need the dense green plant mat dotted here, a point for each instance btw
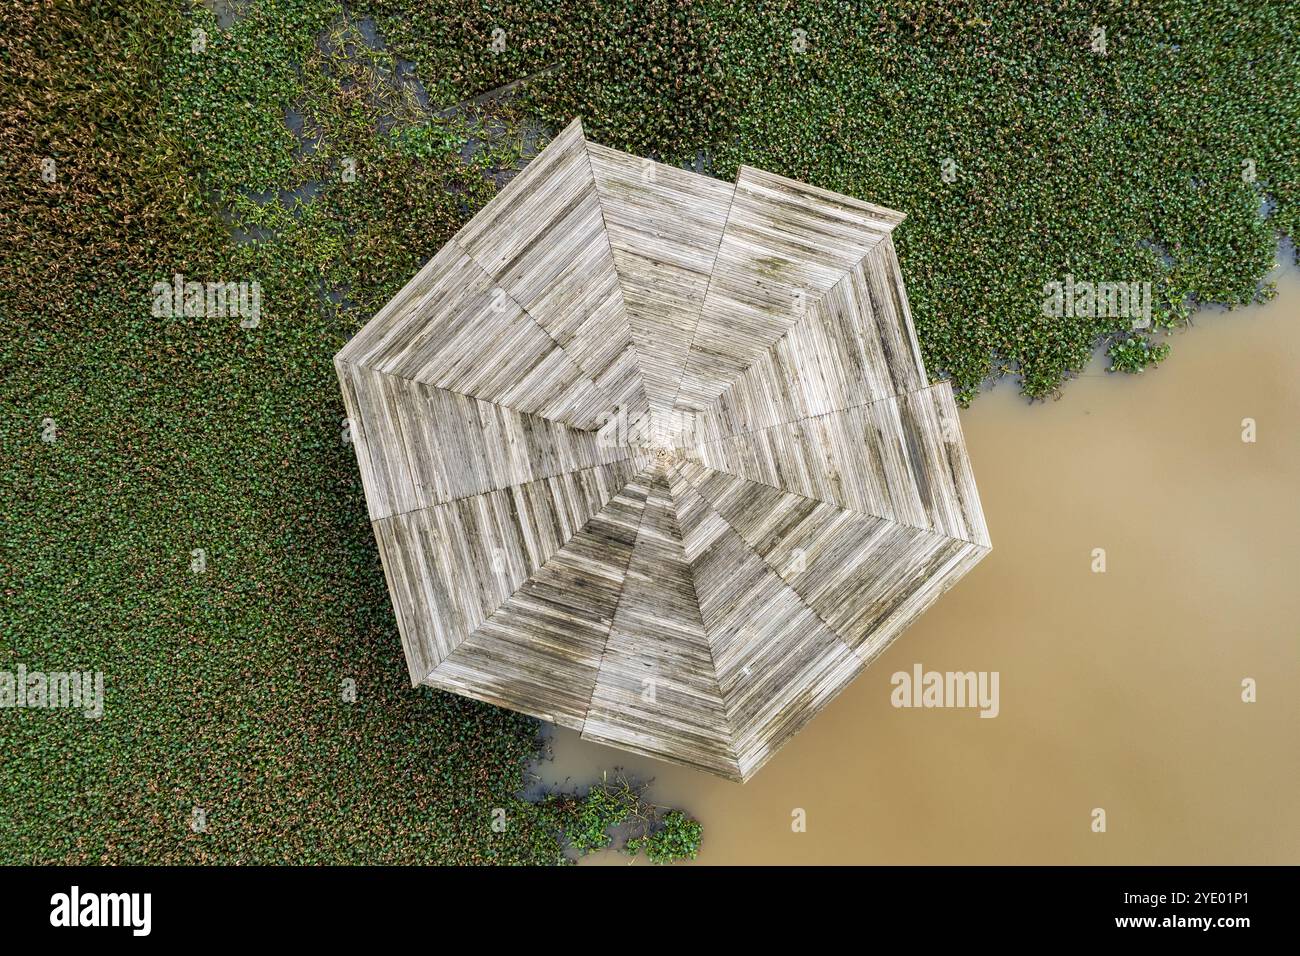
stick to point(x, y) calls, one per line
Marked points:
point(676, 838)
point(226, 687)
point(615, 814)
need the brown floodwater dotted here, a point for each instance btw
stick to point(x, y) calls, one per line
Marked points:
point(1119, 690)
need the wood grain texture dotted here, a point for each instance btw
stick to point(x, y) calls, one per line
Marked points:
point(696, 591)
point(777, 663)
point(853, 346)
point(453, 327)
point(657, 690)
point(539, 651)
point(902, 458)
point(543, 239)
point(785, 245)
point(664, 227)
point(865, 577)
point(449, 567)
point(423, 445)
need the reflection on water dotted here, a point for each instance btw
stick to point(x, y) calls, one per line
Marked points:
point(1119, 690)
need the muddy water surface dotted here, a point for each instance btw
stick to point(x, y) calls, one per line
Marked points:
point(1118, 690)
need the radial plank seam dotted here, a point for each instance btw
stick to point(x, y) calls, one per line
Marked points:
point(518, 484)
point(600, 207)
point(713, 663)
point(714, 508)
point(768, 484)
point(971, 552)
point(350, 363)
point(388, 525)
point(811, 418)
point(821, 296)
point(631, 454)
point(728, 755)
point(844, 652)
point(699, 313)
point(342, 358)
point(544, 329)
point(771, 350)
point(586, 524)
point(930, 532)
point(613, 618)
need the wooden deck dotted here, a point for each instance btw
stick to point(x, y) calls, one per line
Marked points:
point(698, 587)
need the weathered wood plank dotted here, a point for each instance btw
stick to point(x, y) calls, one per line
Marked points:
point(436, 445)
point(865, 577)
point(656, 691)
point(955, 473)
point(450, 566)
point(664, 226)
point(901, 458)
point(453, 327)
point(543, 239)
point(784, 246)
point(777, 663)
point(539, 652)
point(853, 346)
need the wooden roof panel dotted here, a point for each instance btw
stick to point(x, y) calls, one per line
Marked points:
point(902, 458)
point(541, 649)
point(450, 566)
point(656, 690)
point(785, 245)
point(438, 445)
point(777, 662)
point(853, 346)
point(664, 227)
point(864, 576)
point(543, 239)
point(453, 327)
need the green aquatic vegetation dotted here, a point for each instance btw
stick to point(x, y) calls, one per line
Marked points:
point(589, 819)
point(615, 814)
point(1025, 141)
point(676, 837)
point(194, 527)
point(228, 91)
point(1136, 353)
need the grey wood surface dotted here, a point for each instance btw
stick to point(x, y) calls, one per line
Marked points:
point(453, 327)
point(543, 239)
point(699, 589)
point(853, 346)
point(657, 688)
point(451, 566)
point(866, 577)
point(901, 458)
point(784, 246)
point(425, 445)
point(777, 663)
point(541, 649)
point(664, 227)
